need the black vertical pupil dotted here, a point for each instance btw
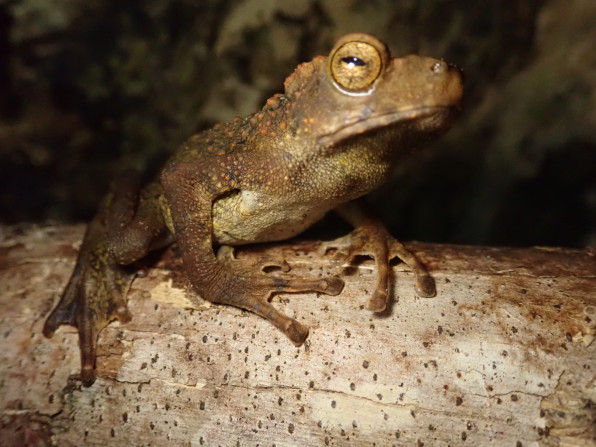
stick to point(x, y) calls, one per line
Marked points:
point(354, 60)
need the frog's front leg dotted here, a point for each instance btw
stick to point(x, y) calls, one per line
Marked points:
point(190, 201)
point(371, 238)
point(96, 292)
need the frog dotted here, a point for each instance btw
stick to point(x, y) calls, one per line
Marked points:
point(342, 124)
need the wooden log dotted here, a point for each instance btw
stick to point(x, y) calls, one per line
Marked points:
point(504, 355)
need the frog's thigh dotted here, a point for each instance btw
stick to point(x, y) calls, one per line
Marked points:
point(131, 239)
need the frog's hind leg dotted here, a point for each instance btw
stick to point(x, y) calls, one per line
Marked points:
point(94, 296)
point(119, 234)
point(134, 230)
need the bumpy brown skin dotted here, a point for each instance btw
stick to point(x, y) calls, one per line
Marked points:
point(342, 124)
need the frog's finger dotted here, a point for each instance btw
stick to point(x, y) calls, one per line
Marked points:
point(425, 284)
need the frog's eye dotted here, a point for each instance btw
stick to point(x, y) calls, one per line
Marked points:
point(355, 66)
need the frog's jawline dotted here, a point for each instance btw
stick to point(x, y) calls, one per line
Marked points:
point(440, 113)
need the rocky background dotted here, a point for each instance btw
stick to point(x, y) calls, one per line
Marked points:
point(90, 88)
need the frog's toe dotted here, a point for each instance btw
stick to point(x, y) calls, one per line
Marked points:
point(333, 286)
point(296, 332)
point(425, 286)
point(88, 346)
point(377, 302)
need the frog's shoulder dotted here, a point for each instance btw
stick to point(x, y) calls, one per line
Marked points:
point(242, 133)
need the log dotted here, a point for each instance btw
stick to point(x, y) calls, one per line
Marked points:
point(504, 355)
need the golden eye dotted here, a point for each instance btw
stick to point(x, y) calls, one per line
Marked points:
point(356, 65)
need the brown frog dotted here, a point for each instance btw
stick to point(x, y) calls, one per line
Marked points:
point(343, 122)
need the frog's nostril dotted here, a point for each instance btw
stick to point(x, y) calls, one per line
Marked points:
point(438, 67)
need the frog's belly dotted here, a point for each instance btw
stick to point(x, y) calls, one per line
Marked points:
point(246, 216)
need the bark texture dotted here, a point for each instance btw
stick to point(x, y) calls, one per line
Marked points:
point(503, 355)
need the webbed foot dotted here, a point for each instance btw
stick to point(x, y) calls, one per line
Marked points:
point(94, 296)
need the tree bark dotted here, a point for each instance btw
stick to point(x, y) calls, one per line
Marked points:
point(504, 354)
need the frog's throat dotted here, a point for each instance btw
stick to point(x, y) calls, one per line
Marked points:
point(434, 117)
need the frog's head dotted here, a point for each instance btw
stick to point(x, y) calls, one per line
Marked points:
point(359, 88)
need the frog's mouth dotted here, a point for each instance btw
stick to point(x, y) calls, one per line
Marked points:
point(427, 119)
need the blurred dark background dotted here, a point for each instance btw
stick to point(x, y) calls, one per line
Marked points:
point(90, 88)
